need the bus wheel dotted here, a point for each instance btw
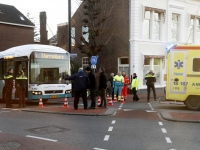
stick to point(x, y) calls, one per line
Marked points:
point(193, 102)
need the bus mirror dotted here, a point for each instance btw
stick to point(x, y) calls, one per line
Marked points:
point(23, 64)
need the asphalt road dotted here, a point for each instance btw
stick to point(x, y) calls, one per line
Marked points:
point(135, 126)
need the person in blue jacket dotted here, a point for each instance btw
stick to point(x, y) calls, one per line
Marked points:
point(81, 82)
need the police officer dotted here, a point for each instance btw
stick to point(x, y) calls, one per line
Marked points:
point(150, 80)
point(8, 78)
point(21, 82)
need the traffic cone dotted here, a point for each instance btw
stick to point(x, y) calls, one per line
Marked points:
point(122, 100)
point(98, 101)
point(107, 98)
point(40, 102)
point(110, 103)
point(66, 103)
point(115, 98)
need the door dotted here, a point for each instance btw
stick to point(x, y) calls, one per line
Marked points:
point(178, 72)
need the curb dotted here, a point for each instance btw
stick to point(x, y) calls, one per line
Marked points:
point(168, 117)
point(109, 112)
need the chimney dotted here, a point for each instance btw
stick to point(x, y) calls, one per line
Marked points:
point(43, 30)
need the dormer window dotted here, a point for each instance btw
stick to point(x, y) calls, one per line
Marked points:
point(1, 12)
point(22, 18)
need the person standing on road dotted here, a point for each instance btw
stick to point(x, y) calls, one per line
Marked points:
point(118, 83)
point(126, 83)
point(8, 78)
point(111, 88)
point(81, 82)
point(150, 80)
point(134, 87)
point(102, 87)
point(91, 87)
point(21, 82)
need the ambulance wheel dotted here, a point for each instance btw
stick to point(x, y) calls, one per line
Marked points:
point(193, 102)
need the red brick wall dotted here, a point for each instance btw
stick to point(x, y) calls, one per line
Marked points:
point(11, 36)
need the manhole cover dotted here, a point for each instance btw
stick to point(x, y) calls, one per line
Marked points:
point(47, 130)
point(9, 145)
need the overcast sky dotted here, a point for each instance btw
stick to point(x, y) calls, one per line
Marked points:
point(56, 10)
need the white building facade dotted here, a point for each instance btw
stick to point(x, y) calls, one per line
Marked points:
point(154, 24)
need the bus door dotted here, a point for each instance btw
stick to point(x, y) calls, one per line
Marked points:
point(178, 66)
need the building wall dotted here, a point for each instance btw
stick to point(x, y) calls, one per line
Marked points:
point(11, 36)
point(140, 48)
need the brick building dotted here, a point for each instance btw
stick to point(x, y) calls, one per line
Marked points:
point(115, 54)
point(15, 28)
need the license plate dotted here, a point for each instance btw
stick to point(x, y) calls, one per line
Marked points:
point(54, 96)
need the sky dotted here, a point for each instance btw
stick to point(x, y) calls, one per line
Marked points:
point(56, 11)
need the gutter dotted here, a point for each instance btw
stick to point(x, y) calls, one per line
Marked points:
point(14, 24)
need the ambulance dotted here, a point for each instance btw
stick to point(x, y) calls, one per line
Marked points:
point(183, 75)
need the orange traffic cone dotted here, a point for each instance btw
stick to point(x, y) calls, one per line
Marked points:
point(115, 98)
point(66, 103)
point(40, 102)
point(110, 103)
point(98, 101)
point(122, 100)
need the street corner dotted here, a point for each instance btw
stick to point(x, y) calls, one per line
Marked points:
point(11, 141)
point(181, 116)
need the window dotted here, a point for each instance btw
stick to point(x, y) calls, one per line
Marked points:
point(85, 33)
point(152, 25)
point(196, 67)
point(85, 62)
point(152, 64)
point(157, 23)
point(73, 36)
point(198, 29)
point(191, 31)
point(22, 18)
point(174, 27)
point(123, 65)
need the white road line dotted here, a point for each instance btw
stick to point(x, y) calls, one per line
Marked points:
point(5, 111)
point(160, 123)
point(15, 109)
point(164, 130)
point(168, 140)
point(128, 109)
point(41, 138)
point(99, 148)
point(151, 111)
point(119, 108)
point(172, 149)
point(110, 128)
point(5, 108)
point(113, 122)
point(106, 138)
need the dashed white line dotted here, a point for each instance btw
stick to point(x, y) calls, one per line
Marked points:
point(160, 123)
point(113, 122)
point(106, 138)
point(99, 148)
point(110, 128)
point(119, 108)
point(164, 130)
point(168, 140)
point(151, 111)
point(41, 138)
point(172, 149)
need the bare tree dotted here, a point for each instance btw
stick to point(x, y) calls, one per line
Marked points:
point(96, 24)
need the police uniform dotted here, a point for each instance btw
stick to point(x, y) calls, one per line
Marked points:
point(150, 80)
point(118, 82)
point(21, 81)
point(8, 78)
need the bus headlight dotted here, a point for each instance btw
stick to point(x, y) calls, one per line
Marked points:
point(36, 92)
point(67, 91)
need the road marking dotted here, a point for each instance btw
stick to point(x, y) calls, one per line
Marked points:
point(113, 122)
point(106, 138)
point(160, 123)
point(110, 128)
point(5, 108)
point(172, 149)
point(15, 109)
point(168, 140)
point(99, 148)
point(4, 111)
point(164, 130)
point(119, 108)
point(128, 109)
point(151, 111)
point(41, 138)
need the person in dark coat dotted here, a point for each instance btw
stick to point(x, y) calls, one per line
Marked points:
point(111, 88)
point(150, 80)
point(8, 78)
point(81, 81)
point(102, 87)
point(91, 87)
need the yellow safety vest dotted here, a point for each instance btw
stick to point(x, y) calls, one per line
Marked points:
point(135, 83)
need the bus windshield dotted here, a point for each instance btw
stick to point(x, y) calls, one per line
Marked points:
point(48, 68)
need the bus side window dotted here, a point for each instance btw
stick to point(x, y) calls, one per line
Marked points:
point(1, 70)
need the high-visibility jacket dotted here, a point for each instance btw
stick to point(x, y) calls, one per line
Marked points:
point(118, 80)
point(150, 78)
point(21, 81)
point(135, 83)
point(8, 78)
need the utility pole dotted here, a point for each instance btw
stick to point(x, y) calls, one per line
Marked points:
point(69, 25)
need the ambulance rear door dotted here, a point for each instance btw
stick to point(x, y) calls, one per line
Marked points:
point(178, 71)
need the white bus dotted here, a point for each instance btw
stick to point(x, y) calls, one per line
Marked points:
point(45, 66)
